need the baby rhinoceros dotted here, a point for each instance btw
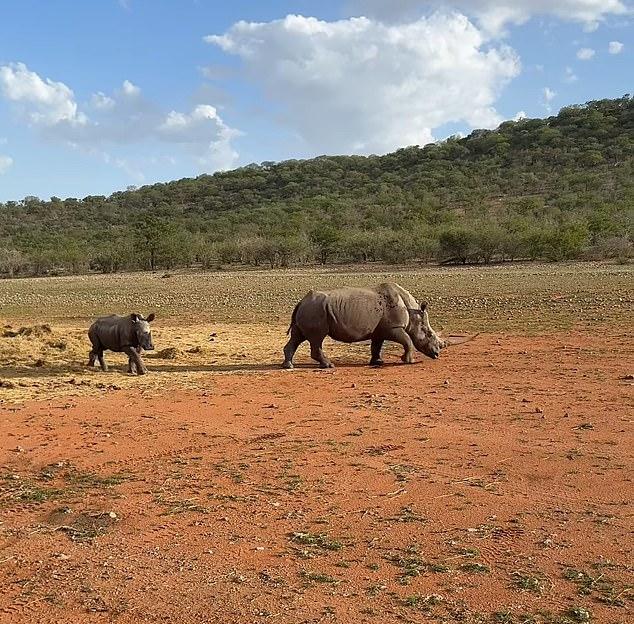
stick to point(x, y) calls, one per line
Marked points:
point(128, 334)
point(386, 312)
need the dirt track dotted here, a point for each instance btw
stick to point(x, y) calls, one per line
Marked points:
point(491, 483)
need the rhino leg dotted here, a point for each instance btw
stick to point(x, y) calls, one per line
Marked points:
point(317, 353)
point(132, 366)
point(375, 350)
point(398, 334)
point(295, 340)
point(102, 361)
point(135, 360)
point(96, 352)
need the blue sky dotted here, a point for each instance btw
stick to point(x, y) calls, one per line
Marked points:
point(96, 96)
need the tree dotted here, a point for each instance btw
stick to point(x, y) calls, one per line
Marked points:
point(566, 242)
point(457, 244)
point(71, 255)
point(488, 242)
point(552, 188)
point(112, 257)
point(162, 241)
point(360, 246)
point(11, 261)
point(325, 239)
point(148, 232)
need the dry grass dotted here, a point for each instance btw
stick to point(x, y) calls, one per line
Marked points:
point(235, 321)
point(509, 296)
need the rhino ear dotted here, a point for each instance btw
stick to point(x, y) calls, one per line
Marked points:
point(151, 317)
point(135, 317)
point(423, 305)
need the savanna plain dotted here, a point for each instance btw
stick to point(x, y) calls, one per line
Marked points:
point(493, 485)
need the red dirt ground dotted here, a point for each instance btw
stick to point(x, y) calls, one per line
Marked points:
point(492, 485)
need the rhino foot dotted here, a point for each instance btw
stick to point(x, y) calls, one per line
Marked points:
point(326, 365)
point(407, 358)
point(288, 365)
point(378, 362)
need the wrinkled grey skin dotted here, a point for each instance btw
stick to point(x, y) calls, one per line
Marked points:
point(386, 312)
point(128, 334)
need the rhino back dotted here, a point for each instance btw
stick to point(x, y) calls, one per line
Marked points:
point(113, 332)
point(354, 313)
point(397, 300)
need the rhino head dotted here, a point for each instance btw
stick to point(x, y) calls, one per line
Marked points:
point(143, 331)
point(425, 339)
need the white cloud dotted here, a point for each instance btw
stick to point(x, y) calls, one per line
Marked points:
point(359, 85)
point(615, 47)
point(42, 101)
point(202, 127)
point(519, 116)
point(5, 163)
point(183, 128)
point(585, 54)
point(494, 15)
point(570, 76)
point(123, 117)
point(101, 101)
point(130, 89)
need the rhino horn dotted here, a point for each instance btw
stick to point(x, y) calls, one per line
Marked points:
point(451, 341)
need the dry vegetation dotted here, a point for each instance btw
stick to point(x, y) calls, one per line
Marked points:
point(235, 321)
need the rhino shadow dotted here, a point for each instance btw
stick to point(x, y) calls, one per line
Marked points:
point(8, 373)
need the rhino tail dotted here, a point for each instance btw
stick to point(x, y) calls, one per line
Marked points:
point(293, 316)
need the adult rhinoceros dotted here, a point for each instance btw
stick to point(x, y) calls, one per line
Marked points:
point(386, 312)
point(129, 334)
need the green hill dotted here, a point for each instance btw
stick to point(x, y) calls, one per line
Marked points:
point(555, 188)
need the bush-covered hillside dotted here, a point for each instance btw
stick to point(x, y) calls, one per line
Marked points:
point(555, 188)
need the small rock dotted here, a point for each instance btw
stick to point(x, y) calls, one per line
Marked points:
point(113, 515)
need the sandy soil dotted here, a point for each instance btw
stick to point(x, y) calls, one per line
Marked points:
point(492, 485)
